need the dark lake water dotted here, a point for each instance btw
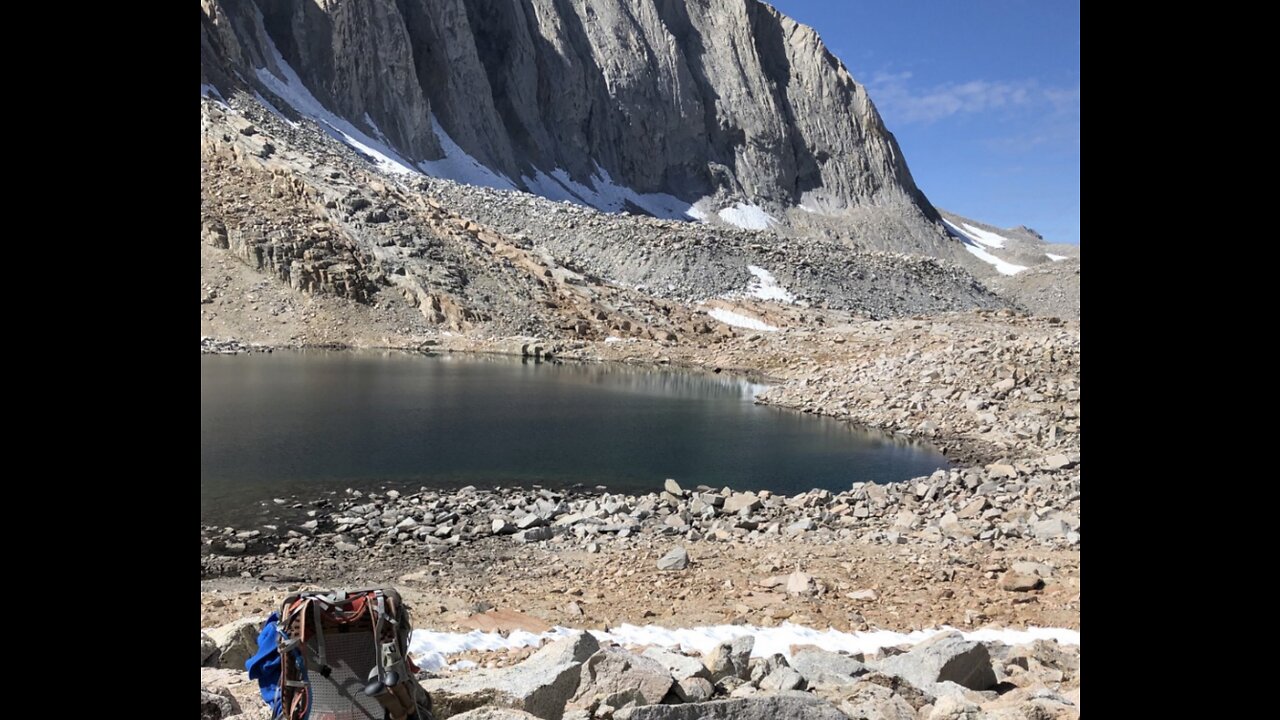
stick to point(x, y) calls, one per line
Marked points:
point(304, 423)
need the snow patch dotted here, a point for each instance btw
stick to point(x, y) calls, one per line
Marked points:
point(430, 649)
point(971, 244)
point(985, 237)
point(290, 88)
point(210, 91)
point(607, 195)
point(779, 639)
point(458, 166)
point(748, 217)
point(728, 317)
point(765, 286)
point(613, 339)
point(1055, 258)
point(1002, 267)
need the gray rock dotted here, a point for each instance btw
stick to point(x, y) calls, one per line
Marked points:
point(868, 701)
point(1019, 582)
point(1032, 568)
point(208, 649)
point(800, 583)
point(676, 559)
point(680, 666)
point(944, 657)
point(694, 689)
point(822, 667)
point(762, 667)
point(530, 521)
point(541, 685)
point(236, 642)
point(739, 502)
point(616, 677)
point(1057, 462)
point(217, 704)
point(1002, 470)
point(1049, 529)
point(972, 508)
point(953, 527)
point(955, 707)
point(713, 499)
point(800, 526)
point(731, 659)
point(536, 534)
point(914, 696)
point(1049, 654)
point(790, 704)
point(673, 487)
point(784, 678)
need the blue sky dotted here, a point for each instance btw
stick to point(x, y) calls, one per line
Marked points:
point(983, 96)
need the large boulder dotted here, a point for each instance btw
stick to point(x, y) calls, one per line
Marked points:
point(236, 642)
point(762, 667)
point(541, 685)
point(237, 685)
point(694, 689)
point(1038, 702)
point(783, 678)
point(738, 502)
point(617, 677)
point(947, 657)
point(208, 649)
point(731, 658)
point(790, 704)
point(1047, 654)
point(216, 705)
point(822, 667)
point(680, 666)
point(914, 696)
point(868, 701)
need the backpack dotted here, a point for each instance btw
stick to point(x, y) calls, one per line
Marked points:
point(339, 656)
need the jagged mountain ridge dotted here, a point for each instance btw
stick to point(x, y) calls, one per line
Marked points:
point(645, 105)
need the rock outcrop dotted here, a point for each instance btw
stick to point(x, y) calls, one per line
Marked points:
point(946, 658)
point(541, 685)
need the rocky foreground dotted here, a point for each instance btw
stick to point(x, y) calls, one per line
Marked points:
point(579, 678)
point(991, 543)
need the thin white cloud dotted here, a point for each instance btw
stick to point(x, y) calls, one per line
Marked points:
point(894, 94)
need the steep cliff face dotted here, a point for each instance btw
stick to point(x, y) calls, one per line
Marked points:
point(646, 105)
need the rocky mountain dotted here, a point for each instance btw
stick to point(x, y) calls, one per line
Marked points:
point(1020, 265)
point(304, 242)
point(681, 109)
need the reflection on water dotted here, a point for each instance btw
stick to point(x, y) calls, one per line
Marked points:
point(302, 423)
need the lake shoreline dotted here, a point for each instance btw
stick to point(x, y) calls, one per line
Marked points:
point(992, 542)
point(996, 393)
